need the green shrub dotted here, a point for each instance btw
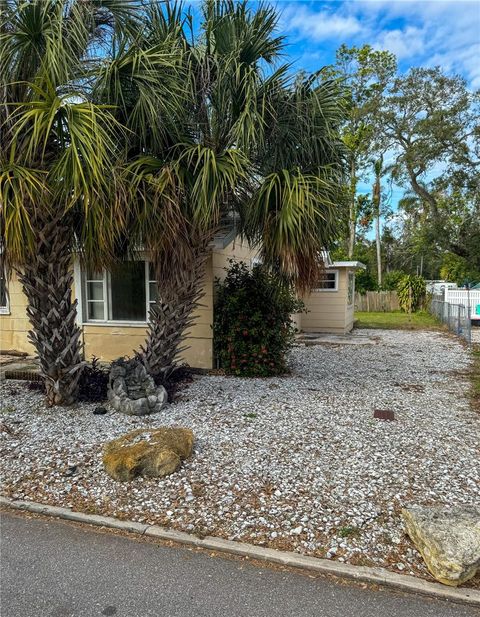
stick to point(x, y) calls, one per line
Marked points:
point(365, 281)
point(253, 329)
point(391, 280)
point(411, 291)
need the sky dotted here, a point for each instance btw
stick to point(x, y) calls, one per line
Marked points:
point(420, 33)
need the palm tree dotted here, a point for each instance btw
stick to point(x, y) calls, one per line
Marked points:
point(241, 139)
point(56, 149)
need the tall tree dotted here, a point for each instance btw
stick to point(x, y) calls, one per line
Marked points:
point(431, 122)
point(242, 141)
point(366, 75)
point(56, 149)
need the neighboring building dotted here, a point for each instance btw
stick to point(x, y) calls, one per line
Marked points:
point(330, 306)
point(113, 306)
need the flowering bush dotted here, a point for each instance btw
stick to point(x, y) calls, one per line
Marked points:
point(253, 328)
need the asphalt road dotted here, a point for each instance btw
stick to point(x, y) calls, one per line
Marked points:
point(55, 569)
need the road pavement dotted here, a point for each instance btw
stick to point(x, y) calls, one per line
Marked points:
point(51, 568)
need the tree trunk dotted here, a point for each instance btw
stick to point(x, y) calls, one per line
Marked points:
point(180, 288)
point(47, 282)
point(423, 193)
point(379, 251)
point(352, 219)
point(377, 198)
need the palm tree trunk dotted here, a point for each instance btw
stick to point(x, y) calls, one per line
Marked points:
point(47, 282)
point(180, 291)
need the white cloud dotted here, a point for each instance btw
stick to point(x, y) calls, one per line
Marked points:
point(406, 43)
point(420, 33)
point(320, 25)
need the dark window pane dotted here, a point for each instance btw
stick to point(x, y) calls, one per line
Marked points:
point(153, 292)
point(3, 284)
point(3, 291)
point(95, 290)
point(327, 281)
point(128, 291)
point(95, 310)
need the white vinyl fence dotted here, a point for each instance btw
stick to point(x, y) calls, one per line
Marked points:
point(470, 299)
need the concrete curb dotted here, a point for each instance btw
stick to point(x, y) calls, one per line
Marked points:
point(377, 576)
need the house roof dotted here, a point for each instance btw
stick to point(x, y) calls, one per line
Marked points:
point(348, 264)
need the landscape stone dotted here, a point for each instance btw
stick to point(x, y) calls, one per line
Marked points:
point(148, 452)
point(131, 390)
point(448, 540)
point(99, 411)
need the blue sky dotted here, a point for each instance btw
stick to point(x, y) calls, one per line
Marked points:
point(421, 33)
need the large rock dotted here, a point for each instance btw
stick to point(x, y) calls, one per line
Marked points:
point(448, 539)
point(148, 452)
point(132, 391)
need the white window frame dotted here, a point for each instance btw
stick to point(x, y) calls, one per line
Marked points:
point(333, 289)
point(107, 299)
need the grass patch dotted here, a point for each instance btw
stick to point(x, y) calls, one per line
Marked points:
point(397, 320)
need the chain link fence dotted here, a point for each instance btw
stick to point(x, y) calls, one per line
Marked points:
point(455, 316)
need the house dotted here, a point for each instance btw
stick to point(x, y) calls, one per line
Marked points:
point(330, 306)
point(113, 306)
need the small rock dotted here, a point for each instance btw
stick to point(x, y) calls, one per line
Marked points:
point(99, 411)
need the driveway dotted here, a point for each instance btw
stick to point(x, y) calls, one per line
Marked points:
point(55, 569)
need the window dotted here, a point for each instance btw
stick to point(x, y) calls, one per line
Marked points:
point(4, 308)
point(351, 288)
point(328, 281)
point(123, 294)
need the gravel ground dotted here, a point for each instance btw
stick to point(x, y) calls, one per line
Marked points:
point(296, 463)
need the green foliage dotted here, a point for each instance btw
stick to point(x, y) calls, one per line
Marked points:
point(253, 329)
point(457, 269)
point(365, 281)
point(392, 279)
point(93, 382)
point(411, 291)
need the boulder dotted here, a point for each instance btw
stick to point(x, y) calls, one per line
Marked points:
point(448, 539)
point(131, 390)
point(148, 452)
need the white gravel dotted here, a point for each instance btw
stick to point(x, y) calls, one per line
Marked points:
point(297, 462)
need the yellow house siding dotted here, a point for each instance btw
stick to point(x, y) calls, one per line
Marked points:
point(327, 310)
point(238, 250)
point(14, 325)
point(109, 341)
